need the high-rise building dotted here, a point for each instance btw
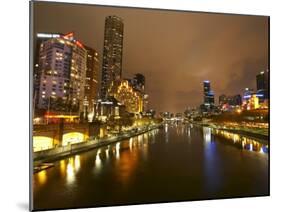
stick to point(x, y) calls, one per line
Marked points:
point(91, 80)
point(262, 80)
point(40, 38)
point(209, 98)
point(62, 68)
point(248, 92)
point(112, 53)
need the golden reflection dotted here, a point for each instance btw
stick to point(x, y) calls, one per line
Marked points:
point(126, 166)
point(131, 144)
point(42, 177)
point(70, 175)
point(62, 167)
point(140, 139)
point(98, 160)
point(77, 163)
point(107, 152)
point(246, 143)
point(236, 138)
point(117, 150)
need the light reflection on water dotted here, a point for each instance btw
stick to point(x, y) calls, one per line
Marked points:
point(211, 162)
point(131, 170)
point(207, 134)
point(42, 177)
point(166, 133)
point(131, 143)
point(242, 141)
point(72, 168)
point(70, 175)
point(98, 160)
point(117, 148)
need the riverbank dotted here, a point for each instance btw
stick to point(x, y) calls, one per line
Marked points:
point(51, 155)
point(252, 135)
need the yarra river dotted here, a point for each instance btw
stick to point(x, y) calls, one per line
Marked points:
point(178, 162)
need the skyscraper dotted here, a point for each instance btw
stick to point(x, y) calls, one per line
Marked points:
point(112, 53)
point(62, 68)
point(263, 84)
point(40, 38)
point(209, 99)
point(91, 80)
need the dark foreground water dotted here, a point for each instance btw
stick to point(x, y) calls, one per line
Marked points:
point(176, 163)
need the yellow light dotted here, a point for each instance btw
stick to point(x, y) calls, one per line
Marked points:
point(62, 167)
point(42, 143)
point(70, 171)
point(42, 177)
point(77, 163)
point(61, 116)
point(72, 138)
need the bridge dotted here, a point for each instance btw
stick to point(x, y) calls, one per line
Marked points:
point(58, 135)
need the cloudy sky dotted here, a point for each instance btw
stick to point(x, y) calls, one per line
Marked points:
point(175, 51)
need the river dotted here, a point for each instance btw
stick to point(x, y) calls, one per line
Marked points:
point(180, 162)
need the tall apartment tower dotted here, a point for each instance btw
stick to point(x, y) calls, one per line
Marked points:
point(112, 53)
point(40, 38)
point(91, 80)
point(209, 99)
point(62, 67)
point(262, 80)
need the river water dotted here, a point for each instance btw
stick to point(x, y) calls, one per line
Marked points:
point(177, 163)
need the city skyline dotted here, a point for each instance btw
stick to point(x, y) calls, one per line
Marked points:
point(228, 51)
point(126, 102)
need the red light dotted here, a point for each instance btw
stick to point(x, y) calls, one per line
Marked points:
point(68, 35)
point(79, 44)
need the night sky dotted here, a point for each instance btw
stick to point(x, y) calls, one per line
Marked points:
point(175, 51)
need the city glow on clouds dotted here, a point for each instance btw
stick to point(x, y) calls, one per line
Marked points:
point(175, 51)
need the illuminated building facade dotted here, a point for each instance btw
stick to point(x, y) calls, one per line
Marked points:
point(128, 96)
point(62, 65)
point(145, 102)
point(138, 84)
point(112, 53)
point(253, 100)
point(40, 38)
point(209, 98)
point(106, 108)
point(91, 80)
point(262, 80)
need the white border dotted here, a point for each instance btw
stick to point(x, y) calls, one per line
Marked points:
point(14, 103)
